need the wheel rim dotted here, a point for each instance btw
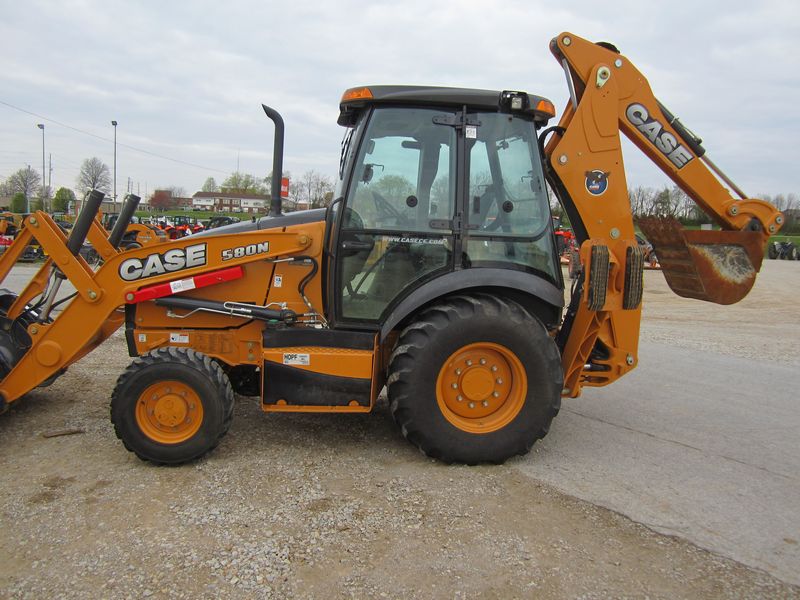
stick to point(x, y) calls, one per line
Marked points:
point(481, 387)
point(169, 412)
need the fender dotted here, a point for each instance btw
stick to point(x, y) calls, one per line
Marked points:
point(520, 284)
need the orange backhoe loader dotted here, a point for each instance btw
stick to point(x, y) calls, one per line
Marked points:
point(434, 273)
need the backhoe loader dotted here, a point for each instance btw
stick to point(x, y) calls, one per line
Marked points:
point(433, 273)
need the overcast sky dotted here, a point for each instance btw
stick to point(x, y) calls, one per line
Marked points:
point(185, 80)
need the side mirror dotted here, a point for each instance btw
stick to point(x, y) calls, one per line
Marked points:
point(368, 173)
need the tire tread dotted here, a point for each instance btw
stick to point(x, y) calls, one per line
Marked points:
point(409, 352)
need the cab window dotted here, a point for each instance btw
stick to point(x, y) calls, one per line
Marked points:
point(398, 211)
point(509, 212)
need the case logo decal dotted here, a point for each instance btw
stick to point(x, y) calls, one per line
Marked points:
point(653, 130)
point(176, 259)
point(596, 182)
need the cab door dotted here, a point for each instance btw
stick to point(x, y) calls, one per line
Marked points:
point(397, 221)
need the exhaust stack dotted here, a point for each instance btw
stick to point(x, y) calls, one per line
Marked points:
point(277, 161)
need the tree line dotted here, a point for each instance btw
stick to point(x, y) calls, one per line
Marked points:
point(23, 188)
point(314, 190)
point(311, 189)
point(674, 202)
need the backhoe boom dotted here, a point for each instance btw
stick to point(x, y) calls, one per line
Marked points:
point(585, 167)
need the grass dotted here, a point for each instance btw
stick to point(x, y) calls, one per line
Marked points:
point(782, 238)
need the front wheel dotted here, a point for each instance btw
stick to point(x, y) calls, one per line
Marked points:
point(172, 406)
point(475, 379)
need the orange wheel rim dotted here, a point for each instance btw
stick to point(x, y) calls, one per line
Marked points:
point(169, 412)
point(481, 387)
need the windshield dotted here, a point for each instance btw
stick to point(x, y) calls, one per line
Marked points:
point(403, 177)
point(507, 195)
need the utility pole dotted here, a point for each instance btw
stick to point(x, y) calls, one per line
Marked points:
point(27, 199)
point(50, 171)
point(114, 123)
point(44, 182)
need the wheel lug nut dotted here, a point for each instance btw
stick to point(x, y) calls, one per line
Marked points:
point(454, 386)
point(485, 403)
point(494, 368)
point(483, 361)
point(472, 405)
point(499, 381)
point(469, 363)
point(459, 398)
point(458, 371)
point(496, 394)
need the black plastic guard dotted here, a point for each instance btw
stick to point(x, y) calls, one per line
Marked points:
point(300, 387)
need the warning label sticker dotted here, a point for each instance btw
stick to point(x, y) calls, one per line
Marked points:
point(292, 358)
point(178, 338)
point(182, 285)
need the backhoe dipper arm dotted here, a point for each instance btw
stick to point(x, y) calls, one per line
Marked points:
point(657, 133)
point(599, 338)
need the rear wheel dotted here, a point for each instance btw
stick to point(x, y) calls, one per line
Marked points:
point(475, 379)
point(172, 405)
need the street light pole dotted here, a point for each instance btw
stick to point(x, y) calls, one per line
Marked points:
point(41, 126)
point(114, 123)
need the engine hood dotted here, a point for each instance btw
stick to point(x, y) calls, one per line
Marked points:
point(285, 220)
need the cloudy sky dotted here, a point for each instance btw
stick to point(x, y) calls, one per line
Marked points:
point(185, 80)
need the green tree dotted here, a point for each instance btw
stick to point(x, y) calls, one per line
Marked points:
point(62, 199)
point(210, 185)
point(394, 186)
point(243, 183)
point(18, 203)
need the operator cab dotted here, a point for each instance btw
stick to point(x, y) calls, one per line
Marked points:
point(435, 181)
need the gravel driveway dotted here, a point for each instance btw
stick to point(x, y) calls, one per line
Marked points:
point(316, 506)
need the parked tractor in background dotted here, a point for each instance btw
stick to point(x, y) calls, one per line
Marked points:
point(179, 226)
point(783, 250)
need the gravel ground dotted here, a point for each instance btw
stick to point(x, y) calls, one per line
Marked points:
point(325, 506)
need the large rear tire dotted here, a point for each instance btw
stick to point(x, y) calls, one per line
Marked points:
point(172, 405)
point(475, 379)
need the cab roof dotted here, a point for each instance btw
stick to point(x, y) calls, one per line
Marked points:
point(356, 99)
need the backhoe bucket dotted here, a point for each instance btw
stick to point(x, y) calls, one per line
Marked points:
point(716, 266)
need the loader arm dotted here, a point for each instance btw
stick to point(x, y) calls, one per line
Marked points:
point(93, 314)
point(584, 163)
